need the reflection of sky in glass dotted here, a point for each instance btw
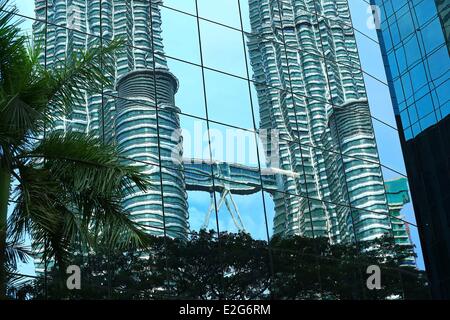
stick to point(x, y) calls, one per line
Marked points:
point(26, 8)
point(228, 99)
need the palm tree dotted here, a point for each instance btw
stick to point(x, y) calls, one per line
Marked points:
point(16, 252)
point(68, 187)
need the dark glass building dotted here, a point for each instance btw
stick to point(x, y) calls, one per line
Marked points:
point(414, 37)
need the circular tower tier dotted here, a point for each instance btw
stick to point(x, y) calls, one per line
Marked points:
point(148, 135)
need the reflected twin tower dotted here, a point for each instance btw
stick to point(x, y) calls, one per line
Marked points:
point(310, 89)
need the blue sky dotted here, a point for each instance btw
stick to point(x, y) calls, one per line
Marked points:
point(228, 97)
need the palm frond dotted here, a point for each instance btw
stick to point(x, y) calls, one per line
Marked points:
point(83, 163)
point(74, 197)
point(83, 71)
point(122, 233)
point(11, 42)
point(16, 252)
point(40, 211)
point(38, 202)
point(31, 96)
point(115, 227)
point(15, 116)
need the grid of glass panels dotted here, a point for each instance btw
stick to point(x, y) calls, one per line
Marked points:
point(418, 59)
point(209, 101)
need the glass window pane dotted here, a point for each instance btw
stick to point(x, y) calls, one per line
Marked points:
point(180, 36)
point(222, 49)
point(228, 100)
point(224, 11)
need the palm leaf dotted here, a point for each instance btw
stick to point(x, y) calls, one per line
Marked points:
point(38, 202)
point(32, 97)
point(74, 196)
point(11, 42)
point(16, 252)
point(73, 199)
point(84, 71)
point(116, 228)
point(84, 163)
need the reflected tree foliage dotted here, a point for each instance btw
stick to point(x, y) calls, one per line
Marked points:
point(235, 266)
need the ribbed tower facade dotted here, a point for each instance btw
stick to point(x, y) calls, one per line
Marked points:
point(73, 25)
point(311, 92)
point(144, 121)
point(146, 134)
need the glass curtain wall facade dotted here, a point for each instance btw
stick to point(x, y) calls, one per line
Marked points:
point(143, 121)
point(281, 79)
point(310, 91)
point(308, 49)
point(415, 45)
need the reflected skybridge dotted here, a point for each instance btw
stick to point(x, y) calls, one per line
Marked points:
point(229, 179)
point(233, 177)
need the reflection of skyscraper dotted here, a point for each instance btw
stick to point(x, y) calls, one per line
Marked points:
point(414, 38)
point(330, 183)
point(148, 135)
point(76, 24)
point(397, 193)
point(311, 89)
point(131, 121)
